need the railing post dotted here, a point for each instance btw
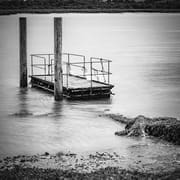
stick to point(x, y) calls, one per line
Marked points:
point(23, 52)
point(84, 67)
point(48, 64)
point(68, 67)
point(68, 63)
point(51, 70)
point(67, 74)
point(31, 65)
point(45, 67)
point(91, 73)
point(58, 77)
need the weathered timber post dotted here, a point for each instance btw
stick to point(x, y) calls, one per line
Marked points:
point(58, 76)
point(23, 52)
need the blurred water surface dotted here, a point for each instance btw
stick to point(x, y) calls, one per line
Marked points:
point(145, 53)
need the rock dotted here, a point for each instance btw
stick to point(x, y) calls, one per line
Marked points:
point(46, 154)
point(22, 113)
point(166, 128)
point(121, 133)
point(22, 160)
point(120, 118)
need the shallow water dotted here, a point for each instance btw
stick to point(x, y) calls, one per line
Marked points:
point(145, 52)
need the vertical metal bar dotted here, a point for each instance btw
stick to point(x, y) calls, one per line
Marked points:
point(84, 67)
point(51, 70)
point(48, 64)
point(91, 73)
point(68, 62)
point(45, 67)
point(108, 72)
point(68, 67)
point(67, 74)
point(102, 67)
point(31, 65)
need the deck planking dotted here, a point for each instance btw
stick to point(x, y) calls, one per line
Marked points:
point(74, 82)
point(78, 87)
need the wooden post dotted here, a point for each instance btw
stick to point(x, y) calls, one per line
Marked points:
point(58, 77)
point(23, 52)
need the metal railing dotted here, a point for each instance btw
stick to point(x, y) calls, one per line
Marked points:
point(95, 70)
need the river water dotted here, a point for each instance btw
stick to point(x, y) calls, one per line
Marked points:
point(145, 53)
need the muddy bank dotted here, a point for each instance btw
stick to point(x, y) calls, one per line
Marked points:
point(166, 128)
point(72, 166)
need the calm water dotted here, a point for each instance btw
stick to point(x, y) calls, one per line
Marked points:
point(145, 50)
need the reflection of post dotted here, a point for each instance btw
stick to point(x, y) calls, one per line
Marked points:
point(58, 77)
point(23, 52)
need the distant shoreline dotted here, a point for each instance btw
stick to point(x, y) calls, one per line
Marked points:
point(49, 11)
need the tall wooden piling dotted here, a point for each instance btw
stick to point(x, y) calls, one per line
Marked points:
point(58, 77)
point(23, 51)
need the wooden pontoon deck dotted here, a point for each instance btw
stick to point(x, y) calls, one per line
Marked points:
point(74, 86)
point(78, 87)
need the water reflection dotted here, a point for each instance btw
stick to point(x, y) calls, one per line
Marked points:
point(23, 109)
point(57, 109)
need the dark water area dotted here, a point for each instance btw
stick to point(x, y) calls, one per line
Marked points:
point(145, 54)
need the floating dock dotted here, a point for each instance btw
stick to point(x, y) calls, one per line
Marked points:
point(81, 79)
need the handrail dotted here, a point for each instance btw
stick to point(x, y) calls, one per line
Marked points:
point(88, 62)
point(101, 59)
point(80, 67)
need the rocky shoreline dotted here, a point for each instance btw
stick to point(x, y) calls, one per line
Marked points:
point(166, 128)
point(104, 165)
point(71, 166)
